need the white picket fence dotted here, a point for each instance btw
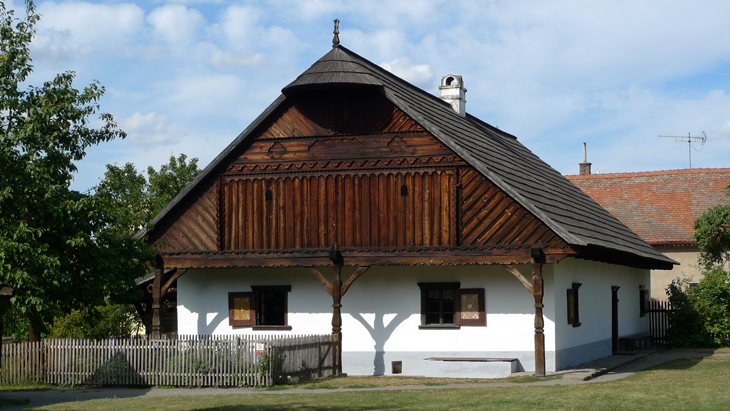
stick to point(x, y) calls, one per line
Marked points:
point(220, 361)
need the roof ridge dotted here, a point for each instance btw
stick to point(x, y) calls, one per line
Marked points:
point(651, 172)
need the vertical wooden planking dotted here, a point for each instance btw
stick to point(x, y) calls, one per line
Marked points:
point(323, 212)
point(314, 212)
point(393, 196)
point(374, 210)
point(453, 209)
point(445, 209)
point(426, 180)
point(331, 212)
point(349, 211)
point(281, 219)
point(247, 198)
point(239, 208)
point(289, 194)
point(436, 203)
point(340, 208)
point(365, 210)
point(401, 212)
point(297, 201)
point(257, 213)
point(410, 220)
point(227, 216)
point(265, 215)
point(357, 215)
point(306, 219)
point(383, 209)
point(417, 201)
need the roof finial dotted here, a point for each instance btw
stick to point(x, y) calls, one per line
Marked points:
point(336, 38)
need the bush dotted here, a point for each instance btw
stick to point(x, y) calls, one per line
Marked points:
point(97, 323)
point(701, 312)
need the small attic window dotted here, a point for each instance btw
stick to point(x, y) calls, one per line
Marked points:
point(268, 196)
point(449, 81)
point(404, 190)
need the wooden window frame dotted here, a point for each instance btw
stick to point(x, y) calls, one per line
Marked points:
point(482, 320)
point(256, 290)
point(643, 300)
point(425, 288)
point(573, 304)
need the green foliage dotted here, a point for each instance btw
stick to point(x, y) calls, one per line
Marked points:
point(701, 316)
point(712, 234)
point(97, 323)
point(56, 252)
point(134, 200)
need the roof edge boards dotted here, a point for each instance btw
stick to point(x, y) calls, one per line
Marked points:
point(565, 235)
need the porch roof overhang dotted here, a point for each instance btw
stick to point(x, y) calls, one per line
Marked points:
point(466, 255)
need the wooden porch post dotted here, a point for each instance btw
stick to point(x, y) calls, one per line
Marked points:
point(537, 292)
point(156, 297)
point(337, 316)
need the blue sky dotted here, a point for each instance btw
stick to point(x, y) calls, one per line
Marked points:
point(189, 76)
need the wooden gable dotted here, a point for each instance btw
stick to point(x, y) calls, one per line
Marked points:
point(349, 169)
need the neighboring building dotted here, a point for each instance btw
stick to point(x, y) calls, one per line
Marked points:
point(661, 207)
point(456, 233)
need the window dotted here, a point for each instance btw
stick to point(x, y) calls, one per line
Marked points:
point(573, 317)
point(264, 308)
point(444, 305)
point(643, 300)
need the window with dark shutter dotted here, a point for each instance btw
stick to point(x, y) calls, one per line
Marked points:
point(264, 308)
point(573, 306)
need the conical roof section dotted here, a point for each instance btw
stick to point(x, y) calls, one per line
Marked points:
point(335, 68)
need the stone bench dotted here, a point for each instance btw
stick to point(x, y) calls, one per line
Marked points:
point(462, 367)
point(635, 342)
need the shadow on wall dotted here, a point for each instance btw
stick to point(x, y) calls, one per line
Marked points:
point(380, 333)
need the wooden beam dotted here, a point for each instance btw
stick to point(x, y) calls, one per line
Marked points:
point(539, 321)
point(337, 316)
point(353, 258)
point(320, 277)
point(177, 274)
point(514, 271)
point(360, 271)
point(156, 298)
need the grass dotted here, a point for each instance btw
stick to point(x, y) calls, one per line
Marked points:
point(690, 384)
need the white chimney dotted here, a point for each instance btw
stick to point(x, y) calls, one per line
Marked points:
point(453, 92)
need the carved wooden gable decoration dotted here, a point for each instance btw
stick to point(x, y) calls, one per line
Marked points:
point(346, 168)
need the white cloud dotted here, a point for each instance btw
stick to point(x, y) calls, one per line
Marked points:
point(86, 28)
point(413, 73)
point(176, 24)
point(231, 60)
point(151, 129)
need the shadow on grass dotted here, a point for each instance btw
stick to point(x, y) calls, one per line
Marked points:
point(13, 401)
point(681, 364)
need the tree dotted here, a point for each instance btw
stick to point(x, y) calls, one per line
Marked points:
point(135, 200)
point(712, 235)
point(55, 250)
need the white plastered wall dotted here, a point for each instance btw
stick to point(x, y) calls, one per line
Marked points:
point(592, 339)
point(381, 313)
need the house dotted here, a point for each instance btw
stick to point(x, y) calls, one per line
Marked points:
point(661, 207)
point(427, 241)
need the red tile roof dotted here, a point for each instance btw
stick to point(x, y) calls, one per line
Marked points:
point(660, 206)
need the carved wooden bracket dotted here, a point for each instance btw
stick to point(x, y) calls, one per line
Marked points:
point(360, 271)
point(175, 275)
point(514, 271)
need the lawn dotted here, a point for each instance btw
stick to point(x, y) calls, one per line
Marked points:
point(690, 384)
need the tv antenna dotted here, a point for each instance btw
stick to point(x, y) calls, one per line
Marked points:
point(689, 139)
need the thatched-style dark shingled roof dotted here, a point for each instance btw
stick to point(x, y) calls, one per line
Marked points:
point(567, 210)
